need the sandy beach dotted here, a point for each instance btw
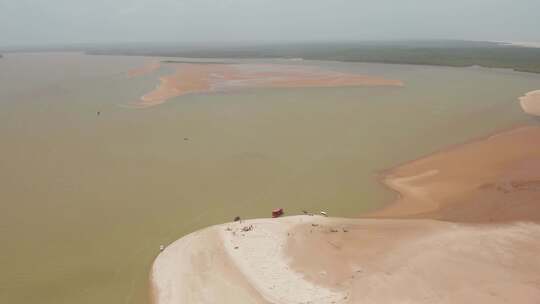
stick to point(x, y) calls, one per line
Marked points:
point(205, 78)
point(530, 103)
point(464, 229)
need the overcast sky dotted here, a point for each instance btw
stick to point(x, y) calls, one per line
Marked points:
point(39, 22)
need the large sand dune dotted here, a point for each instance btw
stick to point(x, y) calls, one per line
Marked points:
point(312, 259)
point(485, 251)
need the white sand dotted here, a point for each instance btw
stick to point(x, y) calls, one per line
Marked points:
point(260, 257)
point(195, 269)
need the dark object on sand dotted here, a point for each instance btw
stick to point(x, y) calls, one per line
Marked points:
point(185, 138)
point(277, 212)
point(236, 218)
point(98, 113)
point(304, 211)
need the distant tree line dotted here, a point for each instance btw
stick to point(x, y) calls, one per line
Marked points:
point(433, 52)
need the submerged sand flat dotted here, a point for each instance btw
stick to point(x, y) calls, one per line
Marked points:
point(203, 78)
point(313, 259)
point(147, 68)
point(530, 103)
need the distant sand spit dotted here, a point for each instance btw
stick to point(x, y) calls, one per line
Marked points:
point(521, 43)
point(530, 103)
point(490, 180)
point(148, 68)
point(203, 78)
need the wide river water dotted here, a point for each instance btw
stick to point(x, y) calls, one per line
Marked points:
point(87, 200)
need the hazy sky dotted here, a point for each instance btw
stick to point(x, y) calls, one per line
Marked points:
point(76, 21)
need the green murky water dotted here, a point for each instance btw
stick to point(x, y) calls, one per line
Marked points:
point(86, 201)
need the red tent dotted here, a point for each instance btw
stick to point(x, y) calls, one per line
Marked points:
point(277, 212)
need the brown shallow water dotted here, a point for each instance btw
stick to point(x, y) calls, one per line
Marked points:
point(87, 200)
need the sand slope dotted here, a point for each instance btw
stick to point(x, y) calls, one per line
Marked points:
point(491, 179)
point(196, 269)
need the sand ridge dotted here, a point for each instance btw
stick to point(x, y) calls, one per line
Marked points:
point(215, 77)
